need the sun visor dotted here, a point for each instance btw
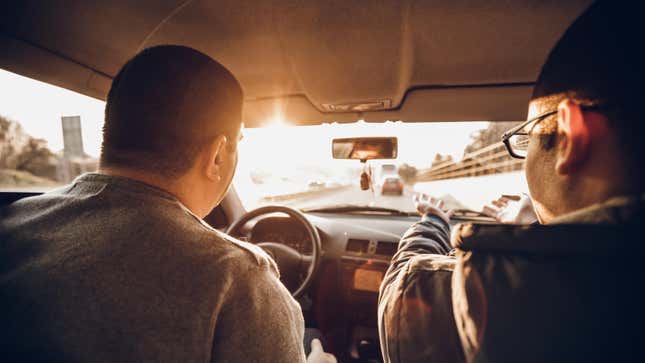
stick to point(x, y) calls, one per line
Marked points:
point(30, 61)
point(480, 103)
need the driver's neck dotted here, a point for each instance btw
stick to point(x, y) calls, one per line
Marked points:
point(181, 188)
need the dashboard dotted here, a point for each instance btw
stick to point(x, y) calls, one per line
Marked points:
point(359, 246)
point(362, 247)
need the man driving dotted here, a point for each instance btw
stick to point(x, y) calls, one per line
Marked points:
point(584, 161)
point(119, 265)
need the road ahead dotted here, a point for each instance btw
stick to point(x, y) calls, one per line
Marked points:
point(471, 193)
point(353, 195)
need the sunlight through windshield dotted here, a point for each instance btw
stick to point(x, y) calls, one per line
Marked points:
point(462, 162)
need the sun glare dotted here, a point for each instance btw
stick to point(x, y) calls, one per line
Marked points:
point(276, 122)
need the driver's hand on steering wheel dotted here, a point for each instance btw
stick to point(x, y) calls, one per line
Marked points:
point(426, 204)
point(318, 354)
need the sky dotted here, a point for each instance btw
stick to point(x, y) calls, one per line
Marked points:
point(38, 107)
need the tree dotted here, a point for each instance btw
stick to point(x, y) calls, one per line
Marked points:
point(488, 136)
point(12, 140)
point(491, 135)
point(37, 159)
point(19, 151)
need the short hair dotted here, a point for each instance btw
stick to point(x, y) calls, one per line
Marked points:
point(598, 62)
point(164, 105)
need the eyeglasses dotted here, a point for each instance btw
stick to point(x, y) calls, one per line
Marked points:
point(516, 139)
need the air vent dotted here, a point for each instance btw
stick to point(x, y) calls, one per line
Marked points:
point(358, 245)
point(386, 248)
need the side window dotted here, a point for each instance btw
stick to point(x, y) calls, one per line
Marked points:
point(48, 135)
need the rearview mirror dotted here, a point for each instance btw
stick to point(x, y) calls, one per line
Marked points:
point(365, 148)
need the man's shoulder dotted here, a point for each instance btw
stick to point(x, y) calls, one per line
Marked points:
point(145, 225)
point(22, 211)
point(241, 256)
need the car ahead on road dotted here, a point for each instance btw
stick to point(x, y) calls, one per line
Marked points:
point(392, 185)
point(312, 71)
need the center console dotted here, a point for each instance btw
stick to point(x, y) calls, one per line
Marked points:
point(363, 267)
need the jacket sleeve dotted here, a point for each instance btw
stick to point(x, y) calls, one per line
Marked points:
point(431, 235)
point(415, 318)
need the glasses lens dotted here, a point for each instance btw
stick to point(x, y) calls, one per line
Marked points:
point(519, 144)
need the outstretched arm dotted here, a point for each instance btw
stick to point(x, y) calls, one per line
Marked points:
point(415, 313)
point(431, 235)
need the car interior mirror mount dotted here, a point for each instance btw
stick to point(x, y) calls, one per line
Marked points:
point(364, 149)
point(366, 177)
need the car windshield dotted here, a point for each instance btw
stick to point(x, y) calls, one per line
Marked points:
point(49, 135)
point(464, 163)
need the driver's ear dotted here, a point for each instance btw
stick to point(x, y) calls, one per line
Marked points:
point(213, 167)
point(574, 139)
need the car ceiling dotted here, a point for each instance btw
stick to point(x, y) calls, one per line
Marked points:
point(306, 60)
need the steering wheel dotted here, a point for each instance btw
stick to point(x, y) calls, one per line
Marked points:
point(290, 261)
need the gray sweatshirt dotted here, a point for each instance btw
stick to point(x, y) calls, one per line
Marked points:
point(109, 269)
